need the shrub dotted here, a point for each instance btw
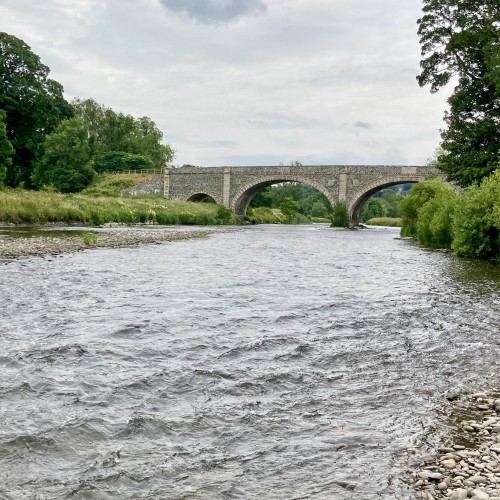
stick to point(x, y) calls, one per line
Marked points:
point(418, 196)
point(340, 217)
point(476, 224)
point(435, 218)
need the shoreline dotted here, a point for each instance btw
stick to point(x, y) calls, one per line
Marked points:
point(468, 466)
point(39, 246)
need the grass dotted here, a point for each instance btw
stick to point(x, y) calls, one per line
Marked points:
point(111, 185)
point(39, 207)
point(385, 221)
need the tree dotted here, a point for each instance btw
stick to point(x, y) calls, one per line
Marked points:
point(340, 217)
point(6, 149)
point(460, 38)
point(289, 207)
point(118, 160)
point(112, 132)
point(66, 162)
point(33, 102)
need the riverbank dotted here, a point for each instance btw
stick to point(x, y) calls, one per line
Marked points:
point(469, 466)
point(40, 246)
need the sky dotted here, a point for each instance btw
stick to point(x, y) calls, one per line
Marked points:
point(247, 82)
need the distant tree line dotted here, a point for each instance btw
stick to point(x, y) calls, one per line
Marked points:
point(46, 141)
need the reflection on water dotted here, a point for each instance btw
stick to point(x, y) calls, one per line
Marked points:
point(273, 362)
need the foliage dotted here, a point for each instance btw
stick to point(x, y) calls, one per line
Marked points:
point(468, 222)
point(90, 239)
point(340, 216)
point(415, 200)
point(312, 202)
point(113, 161)
point(460, 38)
point(112, 185)
point(385, 221)
point(384, 203)
point(435, 218)
point(476, 222)
point(33, 102)
point(6, 149)
point(111, 132)
point(39, 207)
point(289, 208)
point(66, 160)
point(265, 215)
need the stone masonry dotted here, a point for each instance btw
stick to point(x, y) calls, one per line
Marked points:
point(234, 187)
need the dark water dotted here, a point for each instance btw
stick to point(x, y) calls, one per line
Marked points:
point(34, 232)
point(273, 362)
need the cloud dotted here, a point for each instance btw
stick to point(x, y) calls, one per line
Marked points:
point(215, 11)
point(360, 124)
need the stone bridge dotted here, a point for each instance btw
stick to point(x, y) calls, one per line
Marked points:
point(234, 187)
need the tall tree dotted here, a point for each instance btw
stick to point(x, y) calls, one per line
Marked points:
point(112, 132)
point(33, 102)
point(461, 39)
point(6, 149)
point(66, 162)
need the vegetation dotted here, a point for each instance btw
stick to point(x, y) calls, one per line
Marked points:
point(460, 38)
point(33, 103)
point(48, 143)
point(385, 221)
point(340, 216)
point(385, 203)
point(39, 207)
point(111, 185)
point(467, 222)
point(311, 203)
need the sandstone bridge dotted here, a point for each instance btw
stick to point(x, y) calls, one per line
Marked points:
point(234, 187)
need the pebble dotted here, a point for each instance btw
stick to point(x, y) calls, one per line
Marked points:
point(471, 472)
point(22, 247)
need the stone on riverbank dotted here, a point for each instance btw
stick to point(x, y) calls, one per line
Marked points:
point(467, 472)
point(22, 247)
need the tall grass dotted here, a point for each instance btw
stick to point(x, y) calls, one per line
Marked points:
point(38, 207)
point(385, 221)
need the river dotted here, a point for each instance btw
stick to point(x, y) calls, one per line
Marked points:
point(271, 362)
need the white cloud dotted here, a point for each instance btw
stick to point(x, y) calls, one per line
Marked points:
point(248, 81)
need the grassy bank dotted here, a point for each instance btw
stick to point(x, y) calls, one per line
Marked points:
point(38, 207)
point(385, 221)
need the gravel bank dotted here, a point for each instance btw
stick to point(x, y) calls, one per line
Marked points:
point(21, 247)
point(459, 472)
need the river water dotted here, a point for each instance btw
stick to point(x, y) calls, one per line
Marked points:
point(272, 362)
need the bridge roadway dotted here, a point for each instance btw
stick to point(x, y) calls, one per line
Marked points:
point(234, 187)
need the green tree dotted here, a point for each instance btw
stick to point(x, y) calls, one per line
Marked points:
point(372, 208)
point(289, 207)
point(118, 160)
point(460, 38)
point(340, 216)
point(33, 102)
point(6, 149)
point(112, 132)
point(66, 161)
point(476, 221)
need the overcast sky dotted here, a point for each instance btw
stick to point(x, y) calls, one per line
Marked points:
point(247, 82)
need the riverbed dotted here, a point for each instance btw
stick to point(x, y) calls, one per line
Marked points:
point(277, 362)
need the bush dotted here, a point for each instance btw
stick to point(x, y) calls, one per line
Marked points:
point(418, 196)
point(435, 218)
point(476, 223)
point(340, 217)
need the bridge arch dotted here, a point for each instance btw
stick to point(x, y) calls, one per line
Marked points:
point(361, 197)
point(243, 197)
point(199, 196)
